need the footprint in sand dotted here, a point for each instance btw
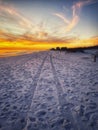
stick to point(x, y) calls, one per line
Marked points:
point(41, 113)
point(94, 120)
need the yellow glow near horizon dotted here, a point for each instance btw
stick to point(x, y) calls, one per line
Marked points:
point(16, 48)
point(18, 33)
point(41, 45)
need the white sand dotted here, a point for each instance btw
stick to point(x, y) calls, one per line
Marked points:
point(49, 91)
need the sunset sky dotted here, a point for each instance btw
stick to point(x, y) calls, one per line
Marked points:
point(43, 24)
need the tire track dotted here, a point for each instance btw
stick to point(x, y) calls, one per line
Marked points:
point(33, 88)
point(45, 100)
point(73, 73)
point(66, 113)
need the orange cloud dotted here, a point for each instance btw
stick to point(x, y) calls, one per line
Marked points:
point(39, 38)
point(14, 19)
point(83, 42)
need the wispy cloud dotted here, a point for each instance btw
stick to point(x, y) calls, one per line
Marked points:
point(76, 8)
point(16, 31)
point(11, 19)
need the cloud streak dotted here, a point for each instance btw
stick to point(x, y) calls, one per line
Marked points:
point(76, 8)
point(16, 31)
point(14, 19)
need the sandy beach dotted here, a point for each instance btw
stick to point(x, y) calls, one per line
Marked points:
point(49, 90)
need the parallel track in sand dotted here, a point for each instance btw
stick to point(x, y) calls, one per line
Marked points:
point(35, 93)
point(34, 84)
point(66, 113)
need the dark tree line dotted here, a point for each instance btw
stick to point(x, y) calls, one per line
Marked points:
point(79, 49)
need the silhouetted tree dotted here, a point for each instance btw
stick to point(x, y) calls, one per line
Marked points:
point(63, 48)
point(58, 48)
point(52, 49)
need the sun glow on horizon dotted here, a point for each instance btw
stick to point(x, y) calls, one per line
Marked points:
point(19, 33)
